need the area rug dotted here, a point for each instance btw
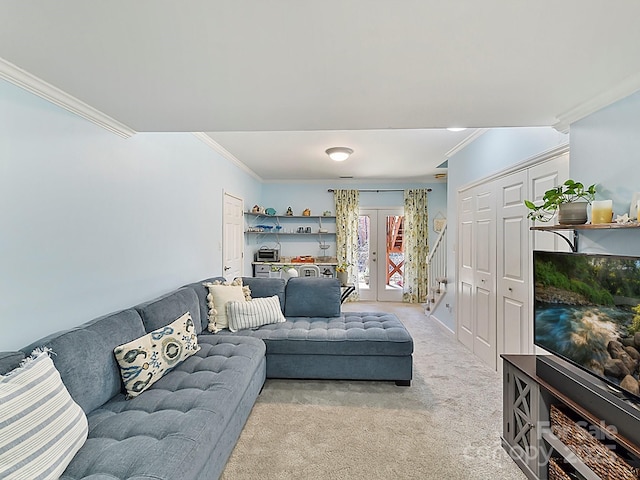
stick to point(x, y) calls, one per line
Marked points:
point(446, 425)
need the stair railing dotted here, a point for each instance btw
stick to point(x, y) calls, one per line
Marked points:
point(437, 270)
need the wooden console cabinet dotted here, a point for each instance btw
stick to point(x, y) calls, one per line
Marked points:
point(531, 441)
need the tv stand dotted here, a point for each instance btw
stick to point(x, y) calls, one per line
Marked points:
point(551, 412)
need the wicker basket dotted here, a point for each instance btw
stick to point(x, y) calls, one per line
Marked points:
point(556, 472)
point(593, 453)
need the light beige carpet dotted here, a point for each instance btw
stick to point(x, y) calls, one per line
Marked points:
point(445, 426)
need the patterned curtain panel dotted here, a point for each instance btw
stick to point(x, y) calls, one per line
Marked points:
point(416, 246)
point(347, 212)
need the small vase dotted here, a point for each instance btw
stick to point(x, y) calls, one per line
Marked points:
point(343, 277)
point(574, 213)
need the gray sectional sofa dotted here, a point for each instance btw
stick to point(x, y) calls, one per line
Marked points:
point(187, 423)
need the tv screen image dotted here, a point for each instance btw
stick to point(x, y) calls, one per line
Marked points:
point(587, 311)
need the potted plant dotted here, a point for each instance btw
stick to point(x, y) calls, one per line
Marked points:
point(570, 200)
point(341, 272)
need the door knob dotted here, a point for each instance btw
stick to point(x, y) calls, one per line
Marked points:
point(226, 268)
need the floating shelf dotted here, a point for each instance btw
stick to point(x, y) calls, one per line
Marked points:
point(251, 214)
point(587, 226)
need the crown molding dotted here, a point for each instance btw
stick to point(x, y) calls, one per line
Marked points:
point(37, 86)
point(536, 159)
point(477, 133)
point(604, 99)
point(210, 142)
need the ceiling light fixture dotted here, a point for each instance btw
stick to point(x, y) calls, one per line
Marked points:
point(456, 129)
point(339, 154)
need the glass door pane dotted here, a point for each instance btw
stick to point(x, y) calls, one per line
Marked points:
point(364, 258)
point(395, 252)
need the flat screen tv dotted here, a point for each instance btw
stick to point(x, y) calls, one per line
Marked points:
point(587, 311)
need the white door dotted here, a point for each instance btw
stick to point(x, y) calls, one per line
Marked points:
point(476, 272)
point(466, 268)
point(484, 340)
point(381, 255)
point(513, 265)
point(232, 236)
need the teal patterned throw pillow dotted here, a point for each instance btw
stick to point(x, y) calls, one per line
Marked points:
point(145, 360)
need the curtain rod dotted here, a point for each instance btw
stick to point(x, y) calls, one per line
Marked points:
point(331, 190)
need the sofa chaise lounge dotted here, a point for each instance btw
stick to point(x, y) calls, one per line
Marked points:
point(186, 424)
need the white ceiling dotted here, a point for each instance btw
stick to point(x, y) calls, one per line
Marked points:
point(277, 82)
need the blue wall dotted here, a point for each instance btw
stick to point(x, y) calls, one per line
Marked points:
point(93, 223)
point(605, 150)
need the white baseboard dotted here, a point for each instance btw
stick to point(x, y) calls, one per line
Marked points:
point(444, 327)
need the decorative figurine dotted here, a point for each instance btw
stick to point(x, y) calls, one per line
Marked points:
point(289, 212)
point(306, 212)
point(255, 209)
point(270, 211)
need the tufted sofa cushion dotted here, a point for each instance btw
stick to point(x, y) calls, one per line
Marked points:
point(351, 334)
point(173, 429)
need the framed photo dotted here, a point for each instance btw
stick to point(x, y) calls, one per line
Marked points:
point(438, 224)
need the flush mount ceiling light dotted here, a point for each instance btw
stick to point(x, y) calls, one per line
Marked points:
point(339, 154)
point(456, 129)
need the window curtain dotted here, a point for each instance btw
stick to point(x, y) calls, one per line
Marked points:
point(416, 246)
point(347, 212)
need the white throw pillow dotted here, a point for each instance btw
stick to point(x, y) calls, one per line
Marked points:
point(145, 360)
point(41, 427)
point(219, 295)
point(257, 312)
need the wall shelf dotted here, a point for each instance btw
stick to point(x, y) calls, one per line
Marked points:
point(251, 214)
point(283, 230)
point(588, 226)
point(290, 233)
point(573, 243)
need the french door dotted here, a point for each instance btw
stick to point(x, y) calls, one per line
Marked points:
point(381, 254)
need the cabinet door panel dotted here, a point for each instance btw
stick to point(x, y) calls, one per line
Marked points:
point(516, 318)
point(465, 315)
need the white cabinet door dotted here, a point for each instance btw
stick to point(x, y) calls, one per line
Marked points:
point(476, 273)
point(466, 269)
point(494, 291)
point(513, 265)
point(484, 341)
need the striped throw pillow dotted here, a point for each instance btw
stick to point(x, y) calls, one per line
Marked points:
point(41, 427)
point(257, 312)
